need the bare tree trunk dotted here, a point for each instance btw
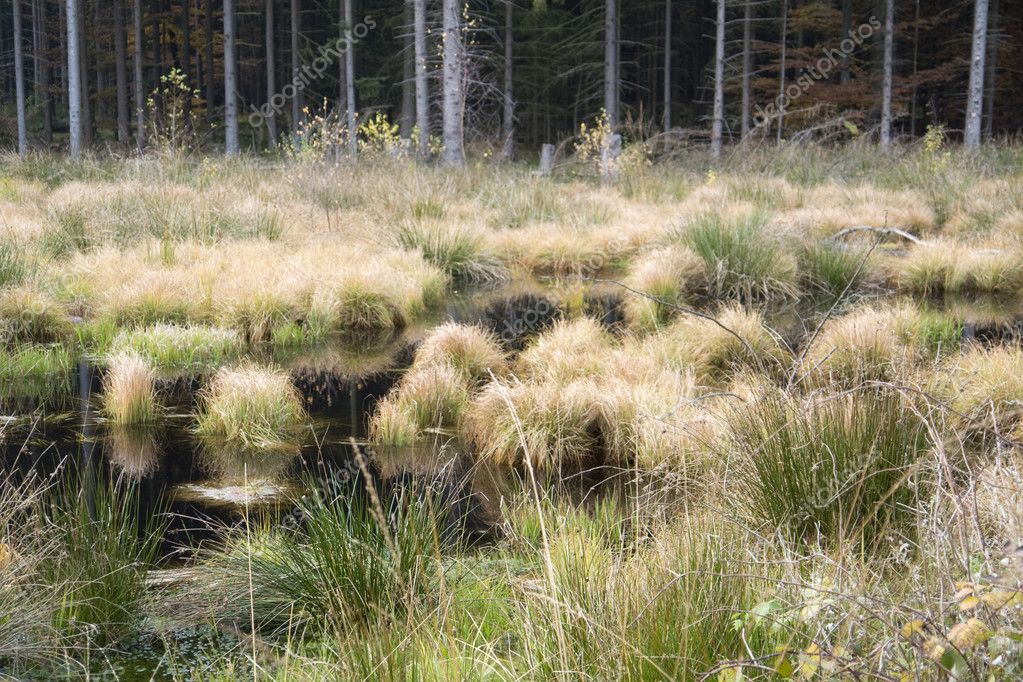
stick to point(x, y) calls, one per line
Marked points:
point(886, 91)
point(781, 80)
point(422, 84)
point(19, 81)
point(62, 47)
point(747, 65)
point(846, 28)
point(83, 76)
point(611, 62)
point(296, 64)
point(211, 90)
point(353, 138)
point(975, 97)
point(508, 119)
point(230, 82)
point(46, 72)
point(271, 75)
point(454, 154)
point(121, 74)
point(74, 75)
point(408, 75)
point(37, 57)
point(140, 90)
point(717, 127)
point(666, 124)
point(186, 44)
point(992, 73)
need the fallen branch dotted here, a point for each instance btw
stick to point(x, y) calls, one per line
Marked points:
point(883, 231)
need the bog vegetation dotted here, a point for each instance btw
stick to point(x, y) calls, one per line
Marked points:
point(787, 446)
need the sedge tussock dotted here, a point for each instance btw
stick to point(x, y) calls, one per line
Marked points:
point(129, 391)
point(251, 406)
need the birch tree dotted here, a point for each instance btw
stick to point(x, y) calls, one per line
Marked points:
point(453, 154)
point(717, 128)
point(19, 81)
point(886, 89)
point(508, 115)
point(422, 85)
point(975, 96)
point(74, 75)
point(230, 82)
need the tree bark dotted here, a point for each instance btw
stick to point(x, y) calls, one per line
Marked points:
point(230, 82)
point(422, 84)
point(353, 138)
point(781, 79)
point(611, 73)
point(121, 74)
point(666, 123)
point(140, 90)
point(74, 75)
point(717, 128)
point(508, 117)
point(296, 64)
point(992, 72)
point(747, 65)
point(886, 88)
point(211, 90)
point(186, 44)
point(271, 74)
point(19, 81)
point(453, 154)
point(975, 96)
point(83, 75)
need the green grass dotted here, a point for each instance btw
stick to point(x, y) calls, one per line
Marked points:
point(177, 350)
point(13, 267)
point(357, 309)
point(30, 316)
point(100, 556)
point(65, 232)
point(251, 406)
point(459, 253)
point(836, 468)
point(831, 269)
point(743, 261)
point(35, 373)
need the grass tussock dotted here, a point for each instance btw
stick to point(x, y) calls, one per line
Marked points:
point(428, 397)
point(35, 373)
point(665, 277)
point(472, 350)
point(985, 387)
point(942, 268)
point(251, 406)
point(28, 315)
point(456, 251)
point(129, 391)
point(180, 350)
point(833, 468)
point(568, 350)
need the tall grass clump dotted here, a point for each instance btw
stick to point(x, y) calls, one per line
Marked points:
point(35, 373)
point(13, 268)
point(357, 308)
point(129, 391)
point(358, 560)
point(28, 315)
point(837, 467)
point(428, 397)
point(472, 350)
point(831, 269)
point(180, 350)
point(984, 386)
point(664, 278)
point(66, 232)
point(743, 260)
point(456, 251)
point(101, 559)
point(251, 406)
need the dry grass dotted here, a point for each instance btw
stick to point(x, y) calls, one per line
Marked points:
point(985, 386)
point(670, 275)
point(129, 391)
point(251, 406)
point(570, 349)
point(472, 350)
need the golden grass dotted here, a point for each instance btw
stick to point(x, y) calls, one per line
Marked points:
point(670, 274)
point(428, 397)
point(129, 391)
point(570, 349)
point(944, 267)
point(251, 406)
point(985, 386)
point(472, 350)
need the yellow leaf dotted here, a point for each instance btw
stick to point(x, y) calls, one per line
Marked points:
point(969, 634)
point(912, 627)
point(969, 603)
point(996, 599)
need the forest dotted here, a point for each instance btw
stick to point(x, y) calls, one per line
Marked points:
point(569, 340)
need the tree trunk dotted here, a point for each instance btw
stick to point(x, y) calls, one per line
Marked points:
point(140, 90)
point(353, 138)
point(37, 57)
point(886, 88)
point(975, 97)
point(611, 62)
point(747, 65)
point(19, 81)
point(508, 118)
point(781, 79)
point(211, 88)
point(121, 74)
point(717, 129)
point(992, 72)
point(46, 72)
point(666, 124)
point(186, 62)
point(230, 82)
point(296, 64)
point(453, 154)
point(74, 75)
point(422, 84)
point(846, 28)
point(408, 75)
point(271, 75)
point(83, 75)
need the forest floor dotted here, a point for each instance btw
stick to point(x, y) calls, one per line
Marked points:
point(712, 420)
